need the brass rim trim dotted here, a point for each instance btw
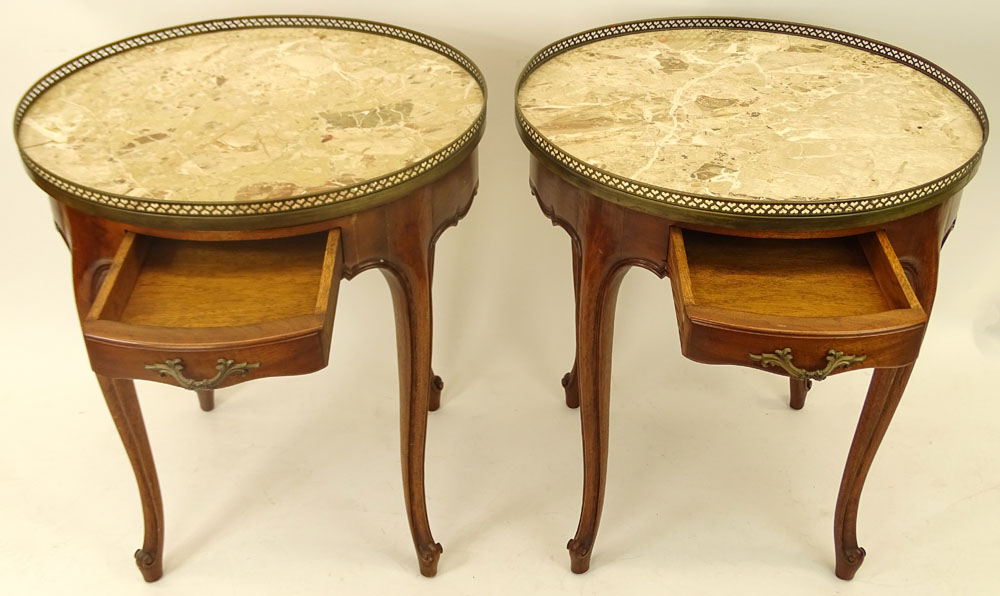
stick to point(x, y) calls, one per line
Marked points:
point(736, 213)
point(271, 213)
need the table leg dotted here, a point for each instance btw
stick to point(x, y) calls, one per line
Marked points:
point(599, 280)
point(569, 381)
point(410, 286)
point(206, 399)
point(437, 385)
point(798, 389)
point(884, 393)
point(124, 407)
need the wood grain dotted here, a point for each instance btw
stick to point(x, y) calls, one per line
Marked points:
point(186, 283)
point(827, 277)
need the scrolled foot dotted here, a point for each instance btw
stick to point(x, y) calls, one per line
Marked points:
point(579, 555)
point(150, 564)
point(572, 391)
point(849, 561)
point(435, 396)
point(428, 556)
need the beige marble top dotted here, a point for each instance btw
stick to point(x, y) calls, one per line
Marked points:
point(250, 115)
point(749, 115)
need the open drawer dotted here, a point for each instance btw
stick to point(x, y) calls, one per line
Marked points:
point(209, 314)
point(804, 308)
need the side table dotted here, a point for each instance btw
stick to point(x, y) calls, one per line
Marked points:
point(795, 183)
point(215, 181)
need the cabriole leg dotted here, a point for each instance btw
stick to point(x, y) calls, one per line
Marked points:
point(884, 393)
point(409, 282)
point(599, 281)
point(124, 407)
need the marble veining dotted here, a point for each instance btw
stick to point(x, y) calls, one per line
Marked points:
point(749, 115)
point(250, 115)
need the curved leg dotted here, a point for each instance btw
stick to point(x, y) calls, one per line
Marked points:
point(798, 390)
point(206, 399)
point(886, 389)
point(600, 279)
point(409, 284)
point(569, 381)
point(124, 407)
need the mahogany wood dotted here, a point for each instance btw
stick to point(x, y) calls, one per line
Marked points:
point(124, 407)
point(740, 296)
point(185, 283)
point(798, 389)
point(827, 277)
point(206, 399)
point(437, 385)
point(569, 381)
point(254, 301)
point(117, 298)
point(896, 263)
point(884, 393)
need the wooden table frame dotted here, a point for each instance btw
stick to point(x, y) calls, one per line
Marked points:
point(397, 238)
point(608, 239)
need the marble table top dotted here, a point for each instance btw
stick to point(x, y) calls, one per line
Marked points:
point(744, 116)
point(252, 120)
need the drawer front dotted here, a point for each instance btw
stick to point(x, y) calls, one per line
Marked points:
point(208, 314)
point(208, 368)
point(803, 308)
point(798, 355)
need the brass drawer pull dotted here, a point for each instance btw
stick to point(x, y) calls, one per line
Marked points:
point(225, 367)
point(783, 359)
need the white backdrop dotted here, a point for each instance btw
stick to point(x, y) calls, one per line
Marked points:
point(292, 485)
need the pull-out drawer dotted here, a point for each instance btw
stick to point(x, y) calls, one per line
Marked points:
point(805, 308)
point(210, 314)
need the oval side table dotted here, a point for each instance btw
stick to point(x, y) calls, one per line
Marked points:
point(215, 181)
point(795, 183)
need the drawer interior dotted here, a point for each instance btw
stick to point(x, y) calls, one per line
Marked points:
point(162, 282)
point(825, 277)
